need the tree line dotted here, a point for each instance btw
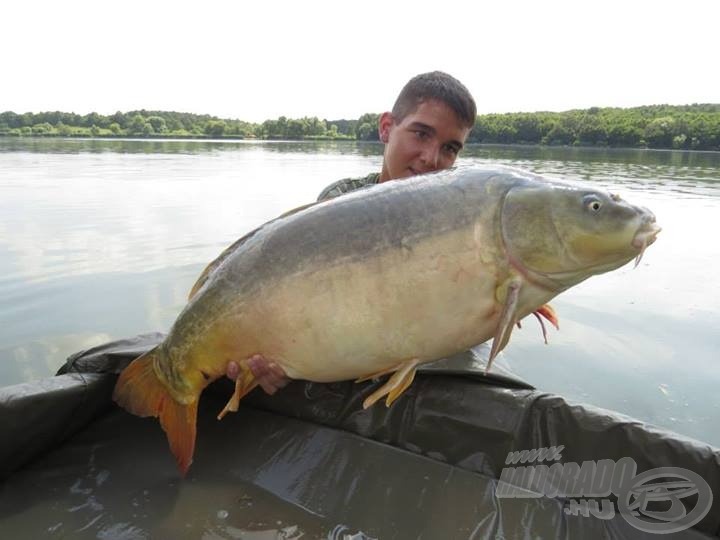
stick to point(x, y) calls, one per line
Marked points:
point(695, 127)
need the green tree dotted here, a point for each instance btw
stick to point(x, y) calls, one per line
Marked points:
point(42, 129)
point(505, 133)
point(659, 132)
point(63, 130)
point(367, 129)
point(295, 129)
point(528, 128)
point(158, 124)
point(624, 133)
point(559, 134)
point(591, 131)
point(315, 127)
point(215, 128)
point(137, 125)
point(94, 119)
point(694, 126)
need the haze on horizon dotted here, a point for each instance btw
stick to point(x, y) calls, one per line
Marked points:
point(334, 60)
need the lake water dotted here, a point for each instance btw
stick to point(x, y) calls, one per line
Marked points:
point(103, 239)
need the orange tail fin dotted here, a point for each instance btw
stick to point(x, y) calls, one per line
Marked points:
point(140, 392)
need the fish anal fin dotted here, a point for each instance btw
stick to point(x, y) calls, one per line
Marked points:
point(511, 292)
point(140, 392)
point(244, 383)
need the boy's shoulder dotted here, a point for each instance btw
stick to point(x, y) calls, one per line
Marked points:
point(347, 184)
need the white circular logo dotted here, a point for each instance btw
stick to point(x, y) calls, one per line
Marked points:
point(656, 506)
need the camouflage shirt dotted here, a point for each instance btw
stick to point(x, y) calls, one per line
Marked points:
point(348, 184)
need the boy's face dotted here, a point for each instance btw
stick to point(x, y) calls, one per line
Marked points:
point(428, 139)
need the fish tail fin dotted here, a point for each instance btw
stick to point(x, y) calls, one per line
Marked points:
point(140, 392)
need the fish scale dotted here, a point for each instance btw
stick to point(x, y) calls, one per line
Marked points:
point(380, 281)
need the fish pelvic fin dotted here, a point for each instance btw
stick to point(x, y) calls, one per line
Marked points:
point(140, 392)
point(510, 290)
point(402, 378)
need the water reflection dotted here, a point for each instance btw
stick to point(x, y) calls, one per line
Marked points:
point(56, 145)
point(102, 239)
point(648, 158)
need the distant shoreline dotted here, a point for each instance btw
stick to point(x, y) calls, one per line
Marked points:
point(669, 127)
point(160, 138)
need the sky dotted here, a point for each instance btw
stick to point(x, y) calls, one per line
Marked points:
point(255, 60)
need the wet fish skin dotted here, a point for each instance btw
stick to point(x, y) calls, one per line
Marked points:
point(363, 284)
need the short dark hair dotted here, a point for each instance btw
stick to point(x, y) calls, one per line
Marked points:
point(441, 87)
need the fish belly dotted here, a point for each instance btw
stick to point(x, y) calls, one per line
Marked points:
point(348, 320)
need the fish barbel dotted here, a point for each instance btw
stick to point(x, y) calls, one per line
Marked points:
point(380, 281)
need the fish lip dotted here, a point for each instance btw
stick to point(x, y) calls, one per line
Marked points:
point(646, 235)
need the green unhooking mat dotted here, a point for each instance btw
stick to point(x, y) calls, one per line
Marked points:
point(445, 461)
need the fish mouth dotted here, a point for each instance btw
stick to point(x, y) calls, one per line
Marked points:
point(644, 237)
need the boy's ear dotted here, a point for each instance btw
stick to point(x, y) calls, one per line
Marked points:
point(385, 122)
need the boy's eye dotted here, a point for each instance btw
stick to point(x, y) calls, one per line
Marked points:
point(420, 134)
point(451, 149)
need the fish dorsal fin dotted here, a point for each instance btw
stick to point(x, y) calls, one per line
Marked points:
point(214, 264)
point(210, 268)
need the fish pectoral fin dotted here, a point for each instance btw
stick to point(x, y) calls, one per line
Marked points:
point(402, 378)
point(244, 382)
point(511, 290)
point(548, 312)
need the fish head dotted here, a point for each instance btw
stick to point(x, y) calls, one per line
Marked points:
point(565, 234)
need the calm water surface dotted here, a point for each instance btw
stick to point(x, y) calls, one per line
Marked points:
point(103, 239)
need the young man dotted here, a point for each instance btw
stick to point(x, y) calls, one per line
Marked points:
point(426, 129)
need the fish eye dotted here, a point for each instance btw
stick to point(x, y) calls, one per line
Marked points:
point(592, 203)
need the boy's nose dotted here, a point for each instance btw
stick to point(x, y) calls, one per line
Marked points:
point(430, 157)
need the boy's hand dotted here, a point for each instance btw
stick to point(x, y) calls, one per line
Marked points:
point(269, 375)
